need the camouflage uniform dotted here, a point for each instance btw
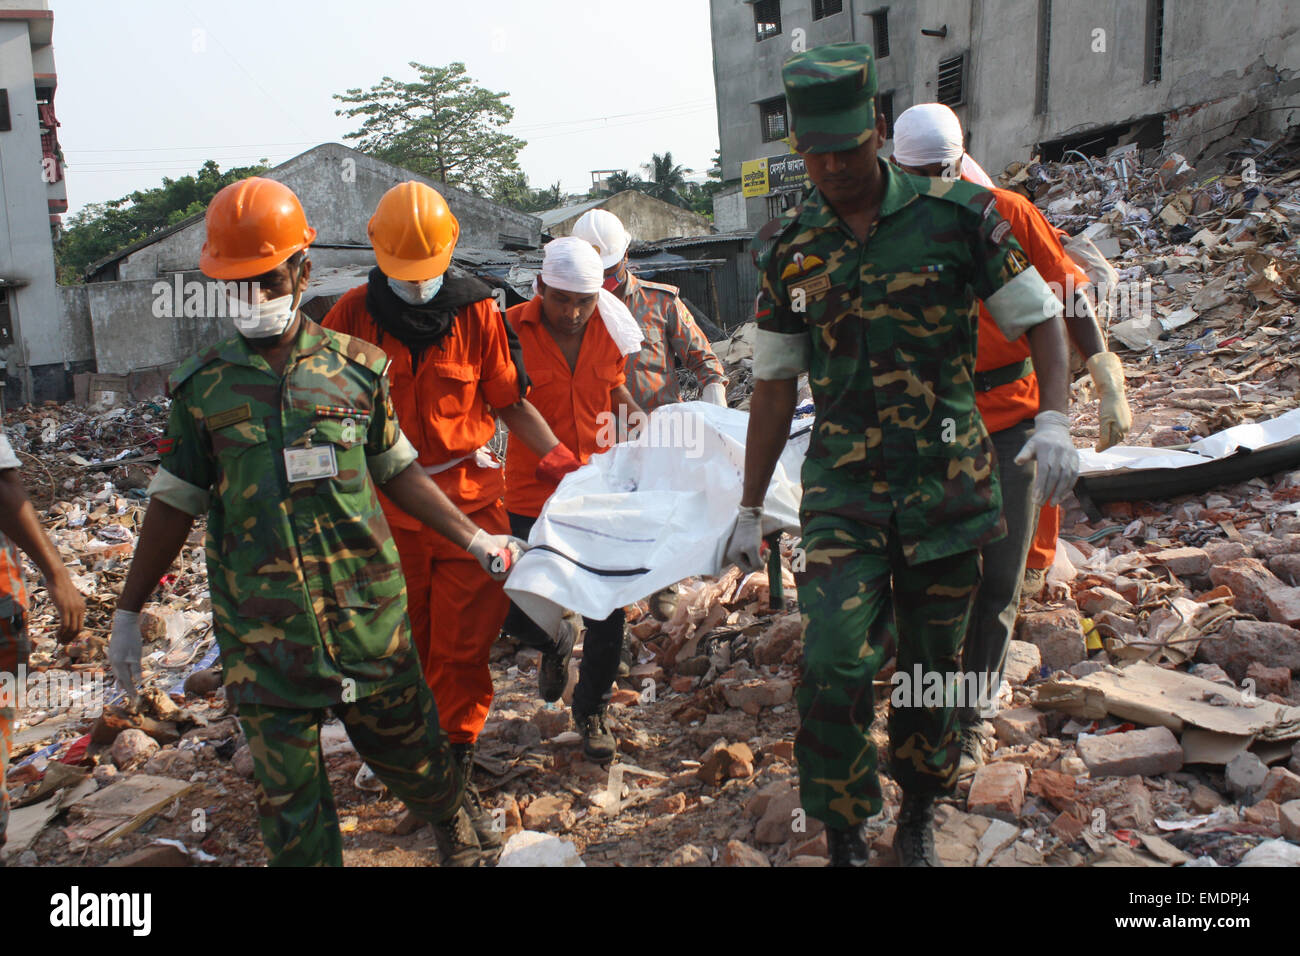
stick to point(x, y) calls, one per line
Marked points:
point(308, 597)
point(899, 488)
point(670, 334)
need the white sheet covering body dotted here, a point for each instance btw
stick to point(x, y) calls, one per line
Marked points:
point(664, 503)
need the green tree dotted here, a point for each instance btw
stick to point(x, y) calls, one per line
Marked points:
point(667, 179)
point(618, 182)
point(100, 229)
point(443, 125)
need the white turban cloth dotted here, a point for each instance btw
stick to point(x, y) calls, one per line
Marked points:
point(931, 133)
point(605, 231)
point(572, 264)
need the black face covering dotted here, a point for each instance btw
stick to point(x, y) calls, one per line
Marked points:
point(420, 326)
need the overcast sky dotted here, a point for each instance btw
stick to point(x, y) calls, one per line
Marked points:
point(153, 88)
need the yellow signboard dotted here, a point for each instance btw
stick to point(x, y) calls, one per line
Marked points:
point(753, 178)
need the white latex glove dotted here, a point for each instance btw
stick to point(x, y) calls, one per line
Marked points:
point(496, 553)
point(745, 545)
point(124, 651)
point(1115, 418)
point(1055, 454)
point(715, 394)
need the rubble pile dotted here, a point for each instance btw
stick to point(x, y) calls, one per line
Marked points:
point(1204, 310)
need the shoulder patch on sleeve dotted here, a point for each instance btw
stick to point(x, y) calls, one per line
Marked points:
point(663, 287)
point(359, 351)
point(186, 369)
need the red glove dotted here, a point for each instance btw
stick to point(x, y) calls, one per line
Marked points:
point(557, 463)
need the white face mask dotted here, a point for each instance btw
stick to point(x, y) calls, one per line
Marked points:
point(263, 320)
point(415, 293)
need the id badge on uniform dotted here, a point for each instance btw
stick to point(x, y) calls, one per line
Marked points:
point(310, 464)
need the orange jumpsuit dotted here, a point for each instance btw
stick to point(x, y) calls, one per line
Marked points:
point(444, 405)
point(1017, 401)
point(571, 400)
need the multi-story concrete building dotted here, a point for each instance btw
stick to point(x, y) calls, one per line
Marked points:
point(1024, 75)
point(32, 195)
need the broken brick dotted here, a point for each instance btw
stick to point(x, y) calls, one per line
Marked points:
point(752, 696)
point(1148, 752)
point(726, 762)
point(1067, 827)
point(1021, 725)
point(1269, 680)
point(1056, 634)
point(1094, 601)
point(998, 791)
point(1182, 561)
point(1280, 785)
point(1250, 580)
point(1239, 643)
point(1289, 818)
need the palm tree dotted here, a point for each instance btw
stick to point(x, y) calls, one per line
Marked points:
point(667, 180)
point(620, 181)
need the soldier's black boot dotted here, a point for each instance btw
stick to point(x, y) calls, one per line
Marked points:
point(553, 673)
point(914, 835)
point(972, 749)
point(457, 841)
point(598, 743)
point(847, 847)
point(489, 836)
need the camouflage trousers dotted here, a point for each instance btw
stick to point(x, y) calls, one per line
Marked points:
point(396, 732)
point(13, 655)
point(854, 572)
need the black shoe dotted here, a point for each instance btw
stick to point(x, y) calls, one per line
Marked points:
point(972, 750)
point(485, 828)
point(598, 744)
point(914, 835)
point(847, 847)
point(457, 841)
point(553, 674)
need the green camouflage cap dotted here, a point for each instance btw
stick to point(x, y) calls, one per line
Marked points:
point(831, 92)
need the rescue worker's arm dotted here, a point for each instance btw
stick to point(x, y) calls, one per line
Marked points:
point(782, 350)
point(179, 492)
point(161, 539)
point(415, 493)
point(1042, 243)
point(693, 350)
point(1115, 419)
point(625, 408)
point(1020, 301)
point(770, 409)
point(1081, 323)
point(18, 522)
point(527, 424)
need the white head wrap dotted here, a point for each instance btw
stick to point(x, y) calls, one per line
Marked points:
point(605, 231)
point(931, 133)
point(572, 264)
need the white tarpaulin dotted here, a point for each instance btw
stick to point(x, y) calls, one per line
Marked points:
point(1251, 437)
point(647, 514)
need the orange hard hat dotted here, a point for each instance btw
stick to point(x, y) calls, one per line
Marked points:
point(413, 232)
point(253, 226)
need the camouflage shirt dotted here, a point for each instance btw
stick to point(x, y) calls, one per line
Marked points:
point(886, 329)
point(671, 336)
point(308, 596)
